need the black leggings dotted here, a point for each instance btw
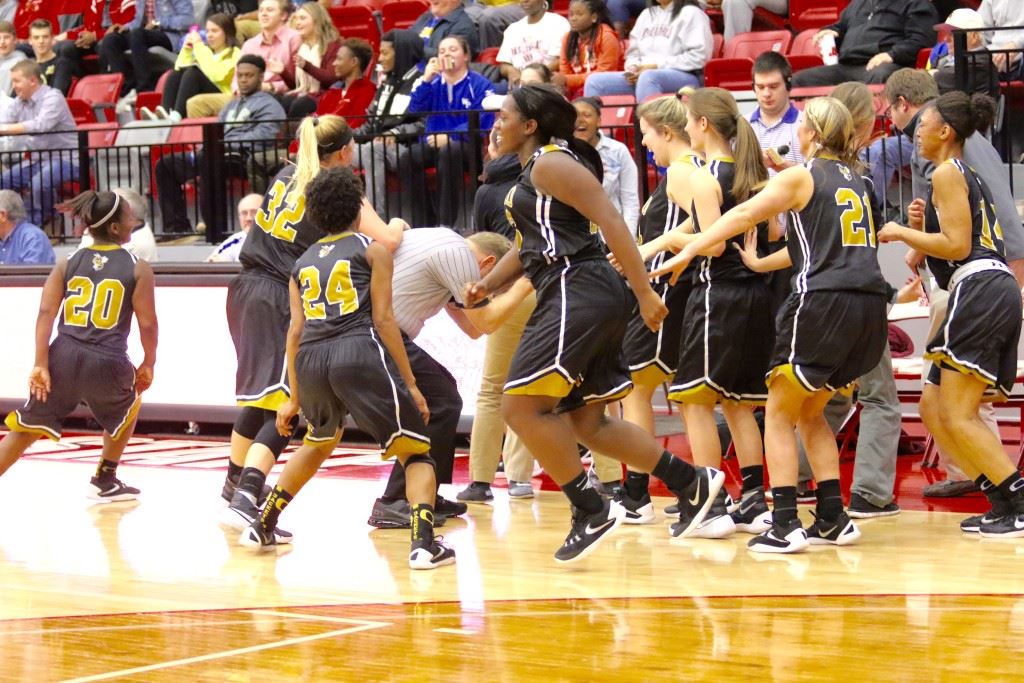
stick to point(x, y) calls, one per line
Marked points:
point(183, 85)
point(259, 425)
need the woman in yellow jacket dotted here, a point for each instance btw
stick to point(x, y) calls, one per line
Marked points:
point(202, 68)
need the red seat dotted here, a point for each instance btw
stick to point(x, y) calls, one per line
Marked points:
point(356, 22)
point(771, 20)
point(750, 45)
point(101, 134)
point(151, 99)
point(617, 113)
point(729, 73)
point(81, 111)
point(100, 92)
point(922, 57)
point(803, 44)
point(717, 41)
point(401, 13)
point(560, 7)
point(801, 62)
point(807, 14)
point(488, 55)
point(374, 5)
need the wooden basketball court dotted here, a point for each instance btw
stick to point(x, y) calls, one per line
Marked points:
point(155, 591)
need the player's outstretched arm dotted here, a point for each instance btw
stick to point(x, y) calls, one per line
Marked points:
point(144, 305)
point(373, 226)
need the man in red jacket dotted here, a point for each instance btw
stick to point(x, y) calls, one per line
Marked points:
point(83, 40)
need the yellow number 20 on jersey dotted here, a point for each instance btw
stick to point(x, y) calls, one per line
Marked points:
point(857, 221)
point(340, 291)
point(99, 303)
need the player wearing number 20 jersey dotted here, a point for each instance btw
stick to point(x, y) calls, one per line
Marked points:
point(832, 327)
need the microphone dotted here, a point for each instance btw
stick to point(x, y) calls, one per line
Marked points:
point(776, 155)
point(783, 150)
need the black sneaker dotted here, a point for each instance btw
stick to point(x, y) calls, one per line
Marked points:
point(637, 511)
point(838, 531)
point(240, 513)
point(449, 508)
point(258, 536)
point(476, 492)
point(672, 510)
point(1007, 526)
point(860, 508)
point(717, 523)
point(788, 538)
point(752, 515)
point(589, 530)
point(227, 492)
point(395, 515)
point(432, 556)
point(697, 500)
point(111, 491)
point(972, 525)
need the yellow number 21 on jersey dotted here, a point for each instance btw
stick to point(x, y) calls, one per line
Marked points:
point(857, 221)
point(340, 291)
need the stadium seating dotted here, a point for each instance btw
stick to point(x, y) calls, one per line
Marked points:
point(401, 13)
point(356, 22)
point(99, 93)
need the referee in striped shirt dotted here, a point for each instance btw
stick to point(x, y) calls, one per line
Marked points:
point(432, 265)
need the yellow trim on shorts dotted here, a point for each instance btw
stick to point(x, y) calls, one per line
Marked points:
point(651, 375)
point(129, 418)
point(946, 362)
point(787, 371)
point(552, 384)
point(408, 445)
point(319, 443)
point(617, 396)
point(271, 401)
point(15, 424)
point(699, 394)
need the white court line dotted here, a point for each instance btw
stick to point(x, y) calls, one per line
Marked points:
point(457, 631)
point(365, 626)
point(133, 627)
point(311, 617)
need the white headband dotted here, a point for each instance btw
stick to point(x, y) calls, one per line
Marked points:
point(110, 214)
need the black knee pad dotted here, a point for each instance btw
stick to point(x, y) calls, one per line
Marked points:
point(273, 441)
point(420, 458)
point(251, 420)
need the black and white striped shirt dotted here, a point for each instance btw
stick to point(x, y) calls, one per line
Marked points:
point(432, 265)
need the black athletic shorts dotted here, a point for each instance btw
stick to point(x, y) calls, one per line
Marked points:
point(653, 356)
point(728, 334)
point(572, 345)
point(258, 317)
point(80, 373)
point(980, 333)
point(354, 374)
point(827, 339)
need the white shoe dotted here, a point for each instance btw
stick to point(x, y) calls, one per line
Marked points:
point(520, 489)
point(778, 539)
point(721, 526)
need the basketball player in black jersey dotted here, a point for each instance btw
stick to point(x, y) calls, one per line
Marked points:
point(974, 354)
point(95, 291)
point(346, 355)
point(831, 328)
point(569, 362)
point(257, 308)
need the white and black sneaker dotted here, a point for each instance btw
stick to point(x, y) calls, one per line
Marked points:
point(972, 525)
point(752, 515)
point(258, 536)
point(697, 500)
point(432, 556)
point(718, 523)
point(1007, 526)
point(838, 531)
point(637, 511)
point(241, 513)
point(861, 508)
point(787, 538)
point(588, 530)
point(111, 491)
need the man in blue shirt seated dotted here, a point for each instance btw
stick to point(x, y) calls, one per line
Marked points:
point(21, 243)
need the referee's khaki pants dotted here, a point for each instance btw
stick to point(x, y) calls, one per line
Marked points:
point(485, 441)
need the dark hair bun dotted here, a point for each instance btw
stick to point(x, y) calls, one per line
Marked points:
point(983, 111)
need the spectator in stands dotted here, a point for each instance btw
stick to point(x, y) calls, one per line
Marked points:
point(355, 90)
point(245, 14)
point(738, 15)
point(668, 47)
point(157, 23)
point(100, 17)
point(995, 13)
point(229, 249)
point(253, 117)
point(982, 76)
point(142, 243)
point(31, 11)
point(444, 18)
point(201, 68)
point(537, 37)
point(492, 17)
point(621, 178)
point(277, 44)
point(313, 69)
point(624, 11)
point(590, 45)
point(774, 120)
point(447, 85)
point(40, 118)
point(874, 39)
point(388, 124)
point(8, 55)
point(56, 69)
point(21, 243)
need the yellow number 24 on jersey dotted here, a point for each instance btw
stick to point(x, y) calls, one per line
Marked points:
point(340, 291)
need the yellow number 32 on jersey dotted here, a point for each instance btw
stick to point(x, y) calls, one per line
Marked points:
point(280, 215)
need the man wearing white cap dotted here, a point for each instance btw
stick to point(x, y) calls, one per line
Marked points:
point(981, 73)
